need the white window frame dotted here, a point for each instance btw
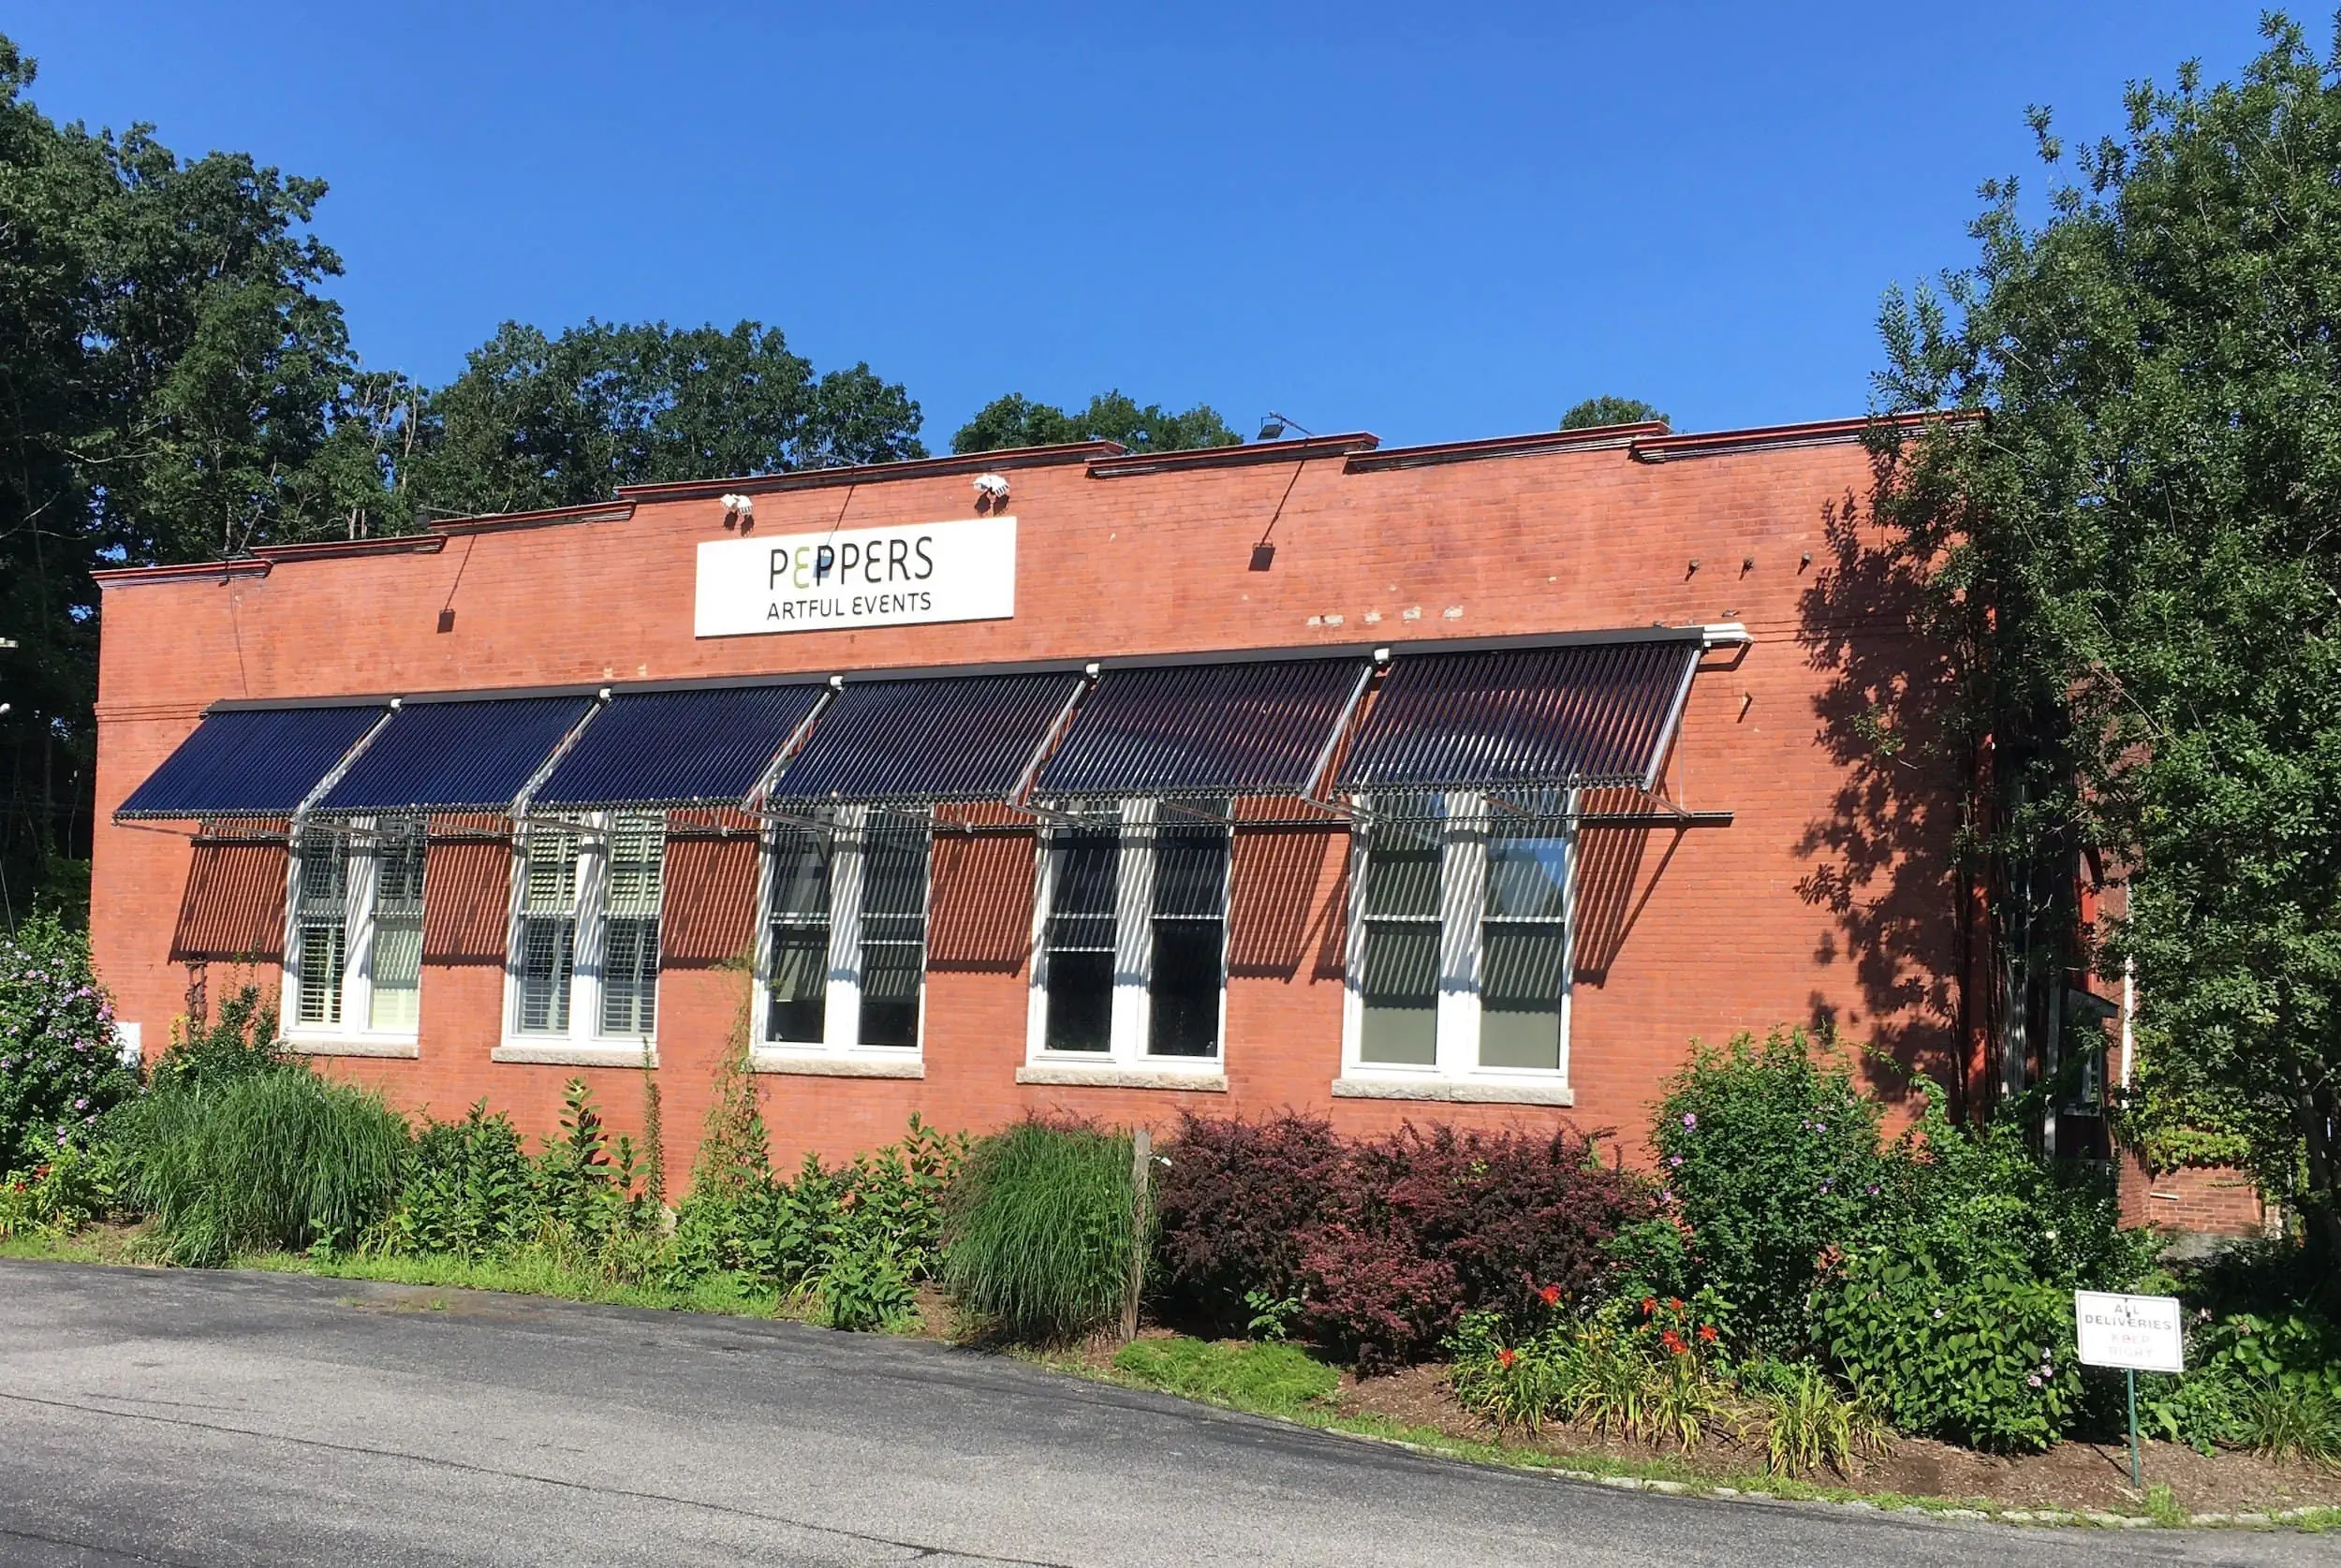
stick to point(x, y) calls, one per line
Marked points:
point(354, 1035)
point(1127, 1062)
point(583, 1043)
point(840, 1052)
point(1455, 1072)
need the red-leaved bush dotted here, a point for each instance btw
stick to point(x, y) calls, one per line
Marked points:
point(1385, 1242)
point(1232, 1208)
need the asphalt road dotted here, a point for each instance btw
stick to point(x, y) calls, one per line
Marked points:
point(201, 1418)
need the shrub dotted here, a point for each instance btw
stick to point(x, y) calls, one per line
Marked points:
point(1277, 1379)
point(1422, 1226)
point(1234, 1202)
point(1976, 1201)
point(471, 1192)
point(1985, 1361)
point(1039, 1228)
point(1769, 1157)
point(59, 1197)
point(59, 1070)
point(281, 1159)
point(206, 1052)
point(2251, 1380)
point(859, 1236)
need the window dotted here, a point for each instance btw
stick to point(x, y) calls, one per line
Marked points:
point(1084, 864)
point(1130, 961)
point(629, 926)
point(354, 951)
point(323, 921)
point(1190, 939)
point(583, 969)
point(894, 933)
point(546, 953)
point(1399, 942)
point(798, 974)
point(844, 949)
point(1459, 965)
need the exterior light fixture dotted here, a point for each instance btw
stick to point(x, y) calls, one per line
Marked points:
point(1274, 427)
point(990, 491)
point(739, 512)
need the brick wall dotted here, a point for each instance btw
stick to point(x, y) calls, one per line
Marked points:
point(1826, 898)
point(2219, 1201)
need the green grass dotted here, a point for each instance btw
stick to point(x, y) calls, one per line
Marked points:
point(533, 1273)
point(1268, 1379)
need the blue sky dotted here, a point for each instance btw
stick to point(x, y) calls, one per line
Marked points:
point(1432, 222)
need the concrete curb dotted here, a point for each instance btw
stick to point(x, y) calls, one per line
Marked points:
point(2092, 1518)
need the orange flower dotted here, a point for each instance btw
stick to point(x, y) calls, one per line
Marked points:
point(1675, 1303)
point(1507, 1355)
point(1707, 1332)
point(1674, 1343)
point(1551, 1294)
point(1649, 1305)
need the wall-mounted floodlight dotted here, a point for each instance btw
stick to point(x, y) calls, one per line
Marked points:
point(1274, 427)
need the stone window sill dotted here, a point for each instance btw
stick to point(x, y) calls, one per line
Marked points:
point(809, 1065)
point(1069, 1074)
point(354, 1044)
point(1493, 1092)
point(569, 1053)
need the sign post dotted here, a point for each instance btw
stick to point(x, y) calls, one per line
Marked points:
point(2136, 1333)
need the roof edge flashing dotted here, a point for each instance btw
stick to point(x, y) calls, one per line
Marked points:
point(1061, 455)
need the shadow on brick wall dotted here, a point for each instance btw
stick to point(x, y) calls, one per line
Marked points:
point(1883, 856)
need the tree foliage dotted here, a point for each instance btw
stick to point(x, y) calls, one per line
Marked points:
point(1017, 420)
point(538, 421)
point(1606, 410)
point(2136, 554)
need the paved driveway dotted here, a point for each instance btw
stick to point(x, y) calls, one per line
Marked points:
point(182, 1418)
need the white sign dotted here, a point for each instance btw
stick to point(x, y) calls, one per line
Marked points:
point(128, 1046)
point(2136, 1331)
point(858, 576)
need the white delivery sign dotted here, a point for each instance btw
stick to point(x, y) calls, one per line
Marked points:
point(2139, 1332)
point(858, 576)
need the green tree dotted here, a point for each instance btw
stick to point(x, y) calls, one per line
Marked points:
point(1016, 420)
point(1607, 410)
point(2135, 555)
point(171, 381)
point(539, 421)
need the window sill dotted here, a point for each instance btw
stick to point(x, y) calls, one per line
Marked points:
point(1493, 1092)
point(400, 1048)
point(1081, 1076)
point(571, 1053)
point(809, 1065)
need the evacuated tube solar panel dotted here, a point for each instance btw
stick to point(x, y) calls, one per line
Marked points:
point(678, 748)
point(470, 756)
point(1584, 714)
point(250, 762)
point(1256, 728)
point(941, 738)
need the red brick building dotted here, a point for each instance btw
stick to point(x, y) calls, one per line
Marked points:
point(1468, 781)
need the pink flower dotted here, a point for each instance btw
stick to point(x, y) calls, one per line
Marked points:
point(1690, 1119)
